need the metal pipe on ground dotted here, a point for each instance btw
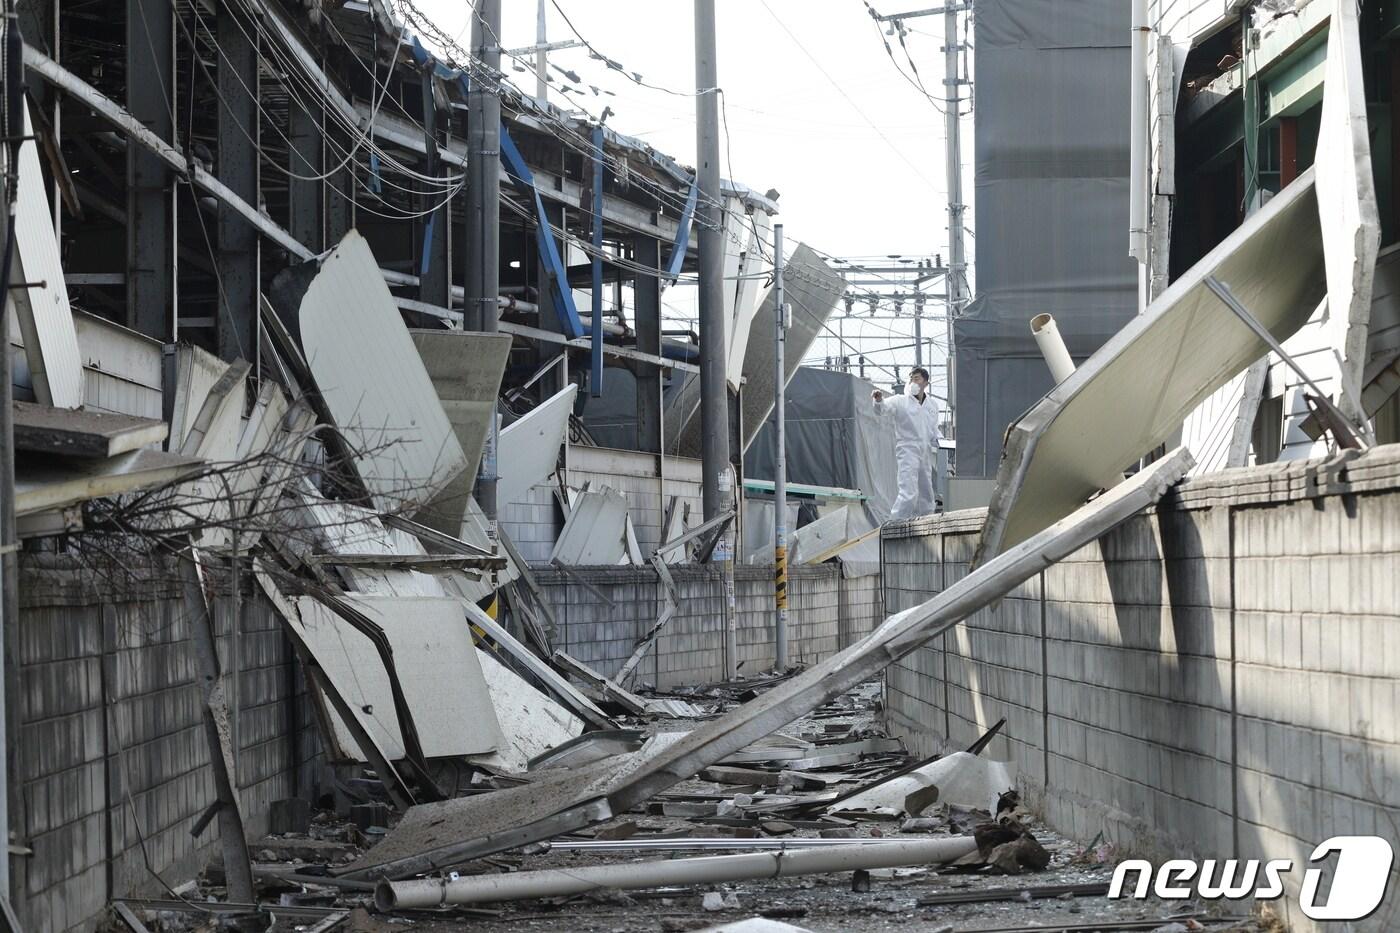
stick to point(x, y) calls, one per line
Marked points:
point(1052, 347)
point(715, 869)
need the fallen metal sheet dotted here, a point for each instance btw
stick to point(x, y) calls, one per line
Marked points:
point(747, 290)
point(532, 722)
point(447, 694)
point(812, 289)
point(330, 702)
point(466, 370)
point(81, 432)
point(374, 382)
point(756, 925)
point(962, 779)
point(606, 688)
point(38, 291)
point(1135, 391)
point(213, 436)
point(452, 831)
point(529, 448)
point(1346, 195)
point(56, 485)
point(567, 693)
point(588, 748)
point(342, 528)
point(593, 534)
point(820, 536)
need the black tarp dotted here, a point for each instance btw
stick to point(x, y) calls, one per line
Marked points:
point(1051, 217)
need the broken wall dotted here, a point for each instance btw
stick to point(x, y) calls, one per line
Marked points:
point(1217, 678)
point(110, 707)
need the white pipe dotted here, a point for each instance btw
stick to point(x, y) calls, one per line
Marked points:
point(555, 882)
point(1137, 134)
point(1052, 347)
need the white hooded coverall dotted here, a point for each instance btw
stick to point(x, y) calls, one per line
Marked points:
point(915, 449)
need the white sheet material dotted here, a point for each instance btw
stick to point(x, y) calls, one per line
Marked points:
point(437, 665)
point(43, 313)
point(593, 536)
point(1346, 196)
point(962, 779)
point(374, 381)
point(532, 722)
point(529, 448)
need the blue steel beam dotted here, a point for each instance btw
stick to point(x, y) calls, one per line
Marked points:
point(562, 297)
point(678, 249)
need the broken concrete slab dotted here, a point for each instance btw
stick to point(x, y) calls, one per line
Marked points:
point(82, 432)
point(372, 378)
point(450, 832)
point(1136, 390)
point(815, 538)
point(465, 369)
point(57, 485)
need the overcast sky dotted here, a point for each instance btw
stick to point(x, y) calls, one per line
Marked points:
point(814, 105)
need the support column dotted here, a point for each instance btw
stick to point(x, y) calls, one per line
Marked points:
point(646, 252)
point(306, 157)
point(238, 168)
point(150, 276)
point(555, 380)
point(434, 266)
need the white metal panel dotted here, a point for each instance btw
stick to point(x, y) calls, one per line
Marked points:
point(531, 722)
point(63, 484)
point(821, 535)
point(122, 369)
point(437, 667)
point(196, 372)
point(1136, 390)
point(593, 534)
point(747, 290)
point(529, 448)
point(1346, 197)
point(374, 382)
point(41, 308)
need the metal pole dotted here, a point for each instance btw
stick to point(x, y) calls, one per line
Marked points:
point(714, 409)
point(717, 477)
point(483, 273)
point(11, 128)
point(780, 468)
point(956, 280)
point(541, 55)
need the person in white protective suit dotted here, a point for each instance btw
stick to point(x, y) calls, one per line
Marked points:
point(916, 436)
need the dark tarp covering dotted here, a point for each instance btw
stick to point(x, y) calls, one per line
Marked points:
point(834, 438)
point(1051, 205)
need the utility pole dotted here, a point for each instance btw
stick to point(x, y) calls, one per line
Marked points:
point(780, 600)
point(541, 54)
point(483, 278)
point(919, 331)
point(717, 479)
point(956, 293)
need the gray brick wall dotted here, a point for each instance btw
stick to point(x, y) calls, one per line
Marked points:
point(1218, 677)
point(690, 649)
point(111, 743)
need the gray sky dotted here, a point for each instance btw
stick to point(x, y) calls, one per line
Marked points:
point(815, 108)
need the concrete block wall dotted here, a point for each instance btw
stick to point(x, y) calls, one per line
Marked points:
point(532, 523)
point(1217, 678)
point(690, 649)
point(111, 745)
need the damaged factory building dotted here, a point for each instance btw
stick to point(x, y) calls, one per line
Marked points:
point(386, 545)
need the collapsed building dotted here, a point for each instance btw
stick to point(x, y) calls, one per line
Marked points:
point(255, 396)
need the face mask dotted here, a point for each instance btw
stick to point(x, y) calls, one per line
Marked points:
point(913, 389)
